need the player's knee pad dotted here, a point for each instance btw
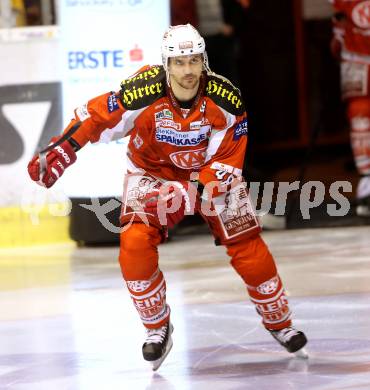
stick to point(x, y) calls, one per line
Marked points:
point(359, 117)
point(271, 303)
point(138, 256)
point(149, 298)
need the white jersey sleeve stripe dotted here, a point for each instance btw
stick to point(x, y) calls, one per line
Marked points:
point(217, 136)
point(125, 125)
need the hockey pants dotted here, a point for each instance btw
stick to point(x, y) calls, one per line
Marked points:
point(250, 258)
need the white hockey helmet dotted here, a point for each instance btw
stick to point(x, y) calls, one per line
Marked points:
point(182, 40)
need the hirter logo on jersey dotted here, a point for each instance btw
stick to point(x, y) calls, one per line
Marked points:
point(361, 14)
point(188, 159)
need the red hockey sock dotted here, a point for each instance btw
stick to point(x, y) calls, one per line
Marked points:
point(139, 264)
point(254, 263)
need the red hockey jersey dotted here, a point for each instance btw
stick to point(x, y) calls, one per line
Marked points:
point(167, 141)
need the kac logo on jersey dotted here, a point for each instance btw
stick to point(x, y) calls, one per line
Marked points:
point(361, 14)
point(177, 138)
point(189, 159)
point(112, 103)
point(240, 129)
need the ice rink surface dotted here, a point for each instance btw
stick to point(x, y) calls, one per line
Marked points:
point(67, 322)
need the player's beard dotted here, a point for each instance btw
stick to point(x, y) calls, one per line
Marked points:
point(188, 82)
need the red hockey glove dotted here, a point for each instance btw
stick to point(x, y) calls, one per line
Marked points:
point(171, 202)
point(57, 160)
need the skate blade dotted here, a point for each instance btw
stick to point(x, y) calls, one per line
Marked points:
point(301, 354)
point(157, 363)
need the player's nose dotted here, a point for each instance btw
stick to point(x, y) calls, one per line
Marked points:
point(187, 69)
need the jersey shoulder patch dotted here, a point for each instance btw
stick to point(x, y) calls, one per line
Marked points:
point(224, 94)
point(143, 88)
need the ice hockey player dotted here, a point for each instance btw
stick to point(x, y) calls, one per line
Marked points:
point(351, 44)
point(188, 131)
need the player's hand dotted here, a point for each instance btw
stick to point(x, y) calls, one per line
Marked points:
point(171, 202)
point(57, 160)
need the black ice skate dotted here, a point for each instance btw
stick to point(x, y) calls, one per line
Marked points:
point(157, 345)
point(292, 340)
